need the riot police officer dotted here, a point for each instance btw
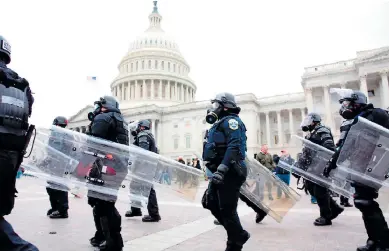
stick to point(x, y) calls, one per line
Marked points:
point(353, 105)
point(225, 151)
point(145, 139)
point(320, 135)
point(58, 194)
point(15, 134)
point(107, 123)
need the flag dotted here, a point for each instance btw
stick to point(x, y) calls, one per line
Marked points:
point(90, 78)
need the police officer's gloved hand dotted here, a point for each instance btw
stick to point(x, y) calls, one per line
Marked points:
point(218, 176)
point(329, 166)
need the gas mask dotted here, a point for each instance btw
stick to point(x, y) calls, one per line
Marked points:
point(135, 132)
point(97, 110)
point(213, 114)
point(306, 125)
point(348, 110)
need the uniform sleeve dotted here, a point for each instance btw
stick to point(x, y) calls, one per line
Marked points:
point(143, 142)
point(233, 134)
point(327, 140)
point(101, 125)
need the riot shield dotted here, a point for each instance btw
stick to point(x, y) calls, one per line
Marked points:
point(262, 188)
point(310, 165)
point(105, 167)
point(365, 154)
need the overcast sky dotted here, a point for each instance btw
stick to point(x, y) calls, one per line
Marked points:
point(242, 46)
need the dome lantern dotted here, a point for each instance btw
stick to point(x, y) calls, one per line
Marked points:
point(155, 19)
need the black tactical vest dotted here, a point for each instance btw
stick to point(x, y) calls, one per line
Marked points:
point(151, 140)
point(121, 129)
point(14, 110)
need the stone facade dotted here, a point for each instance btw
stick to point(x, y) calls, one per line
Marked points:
point(154, 83)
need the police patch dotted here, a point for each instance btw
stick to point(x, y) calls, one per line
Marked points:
point(233, 124)
point(6, 46)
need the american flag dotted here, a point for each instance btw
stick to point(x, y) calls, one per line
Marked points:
point(90, 78)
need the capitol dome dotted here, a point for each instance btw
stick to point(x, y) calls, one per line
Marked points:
point(154, 70)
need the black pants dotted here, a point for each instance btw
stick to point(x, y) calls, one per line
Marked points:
point(11, 241)
point(9, 165)
point(107, 221)
point(58, 200)
point(343, 200)
point(375, 224)
point(252, 205)
point(326, 204)
point(152, 205)
point(222, 201)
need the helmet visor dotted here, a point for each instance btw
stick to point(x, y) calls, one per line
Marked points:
point(307, 121)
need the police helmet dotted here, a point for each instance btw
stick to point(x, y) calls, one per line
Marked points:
point(5, 50)
point(107, 102)
point(306, 124)
point(225, 98)
point(145, 123)
point(357, 97)
point(60, 121)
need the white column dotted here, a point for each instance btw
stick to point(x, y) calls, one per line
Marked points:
point(188, 94)
point(385, 90)
point(176, 91)
point(137, 89)
point(279, 128)
point(128, 90)
point(268, 133)
point(309, 99)
point(160, 89)
point(152, 94)
point(363, 86)
point(159, 134)
point(302, 110)
point(182, 92)
point(167, 90)
point(123, 91)
point(260, 129)
point(327, 103)
point(144, 93)
point(291, 123)
point(153, 127)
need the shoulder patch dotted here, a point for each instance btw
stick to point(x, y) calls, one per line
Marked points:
point(233, 124)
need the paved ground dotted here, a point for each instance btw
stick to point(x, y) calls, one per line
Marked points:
point(184, 226)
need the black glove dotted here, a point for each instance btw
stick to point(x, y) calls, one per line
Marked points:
point(218, 176)
point(331, 164)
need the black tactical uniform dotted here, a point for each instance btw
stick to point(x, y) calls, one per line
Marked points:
point(57, 192)
point(15, 133)
point(322, 136)
point(352, 106)
point(107, 123)
point(225, 151)
point(145, 139)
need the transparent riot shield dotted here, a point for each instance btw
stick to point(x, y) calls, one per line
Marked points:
point(49, 165)
point(310, 165)
point(106, 167)
point(262, 187)
point(365, 154)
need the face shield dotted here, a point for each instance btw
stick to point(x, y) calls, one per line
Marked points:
point(306, 123)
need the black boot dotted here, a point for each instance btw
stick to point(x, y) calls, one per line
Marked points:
point(50, 211)
point(134, 212)
point(347, 204)
point(370, 246)
point(111, 230)
point(216, 222)
point(335, 212)
point(59, 215)
point(260, 217)
point(321, 221)
point(238, 245)
point(149, 218)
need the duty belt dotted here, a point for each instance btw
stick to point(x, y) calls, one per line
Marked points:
point(12, 122)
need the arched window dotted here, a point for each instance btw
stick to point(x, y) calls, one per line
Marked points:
point(168, 66)
point(163, 65)
point(149, 64)
point(176, 143)
point(156, 64)
point(143, 64)
point(132, 67)
point(136, 66)
point(187, 141)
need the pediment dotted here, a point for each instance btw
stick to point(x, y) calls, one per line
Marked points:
point(376, 55)
point(81, 115)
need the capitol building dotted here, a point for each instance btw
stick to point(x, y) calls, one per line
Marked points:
point(153, 83)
